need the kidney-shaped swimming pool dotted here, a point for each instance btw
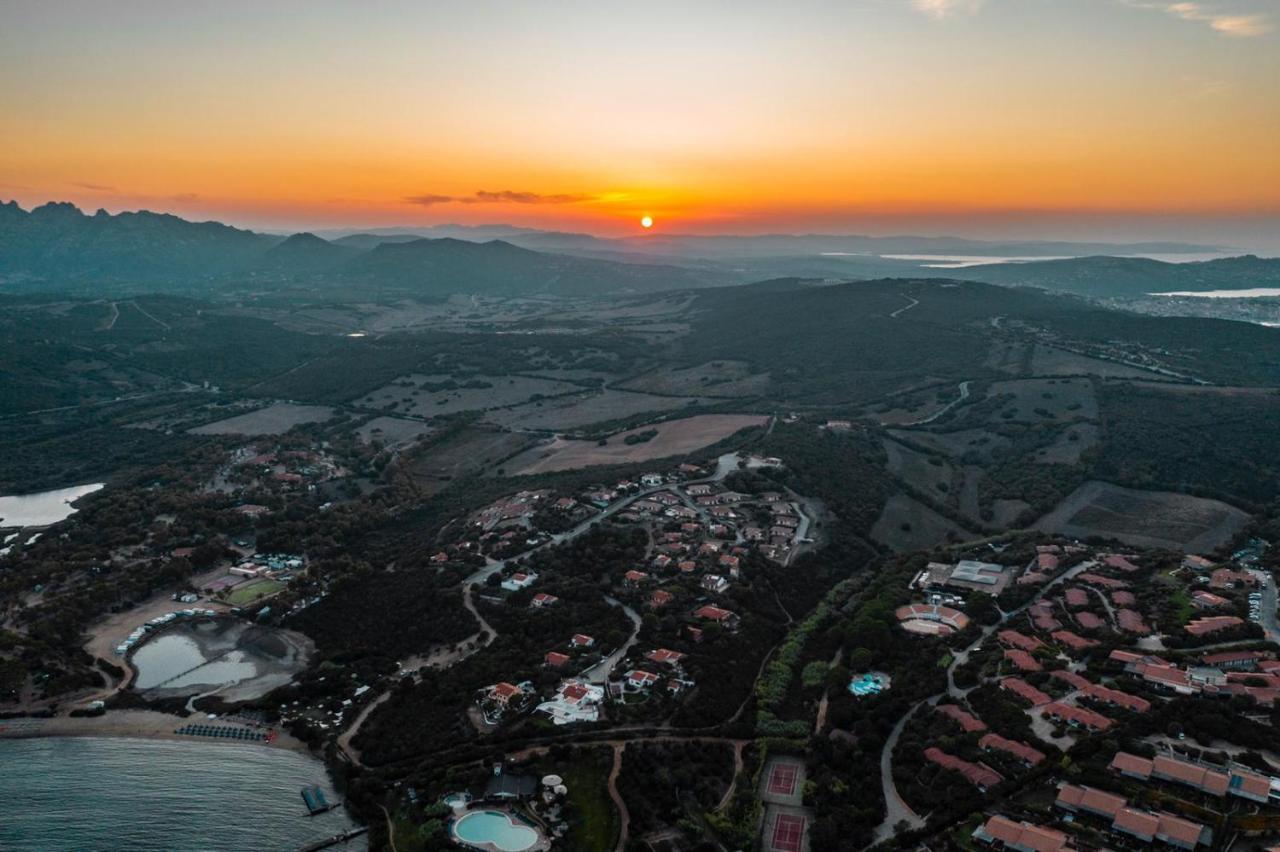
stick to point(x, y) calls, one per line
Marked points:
point(495, 830)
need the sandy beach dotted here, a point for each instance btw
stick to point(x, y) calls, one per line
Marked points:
point(137, 724)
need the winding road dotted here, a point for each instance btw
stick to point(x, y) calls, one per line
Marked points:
point(725, 465)
point(896, 809)
point(964, 394)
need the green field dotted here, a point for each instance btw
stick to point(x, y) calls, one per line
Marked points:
point(595, 823)
point(255, 591)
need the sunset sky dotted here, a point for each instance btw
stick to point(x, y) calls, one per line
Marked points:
point(1073, 118)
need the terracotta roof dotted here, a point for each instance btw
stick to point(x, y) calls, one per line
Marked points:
point(1114, 696)
point(1075, 681)
point(1143, 824)
point(1034, 838)
point(1212, 624)
point(1022, 689)
point(1073, 798)
point(1022, 751)
point(714, 613)
point(1077, 597)
point(1089, 621)
point(980, 775)
point(1078, 716)
point(1131, 764)
point(1115, 560)
point(966, 720)
point(1203, 778)
point(1022, 660)
point(1019, 640)
point(1072, 640)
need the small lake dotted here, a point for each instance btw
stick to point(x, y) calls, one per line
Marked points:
point(218, 654)
point(177, 660)
point(43, 508)
point(89, 793)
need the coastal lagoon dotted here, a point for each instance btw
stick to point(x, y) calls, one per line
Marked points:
point(42, 508)
point(89, 793)
point(220, 656)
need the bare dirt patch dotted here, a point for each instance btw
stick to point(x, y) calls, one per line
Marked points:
point(1145, 518)
point(272, 420)
point(674, 438)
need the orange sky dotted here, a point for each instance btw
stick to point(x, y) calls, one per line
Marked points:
point(737, 117)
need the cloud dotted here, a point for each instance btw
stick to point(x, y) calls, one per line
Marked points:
point(508, 196)
point(945, 8)
point(1228, 24)
point(428, 200)
point(96, 187)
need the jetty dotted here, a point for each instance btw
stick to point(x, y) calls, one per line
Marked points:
point(335, 839)
point(314, 798)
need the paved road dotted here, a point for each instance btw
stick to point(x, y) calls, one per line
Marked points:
point(599, 673)
point(895, 808)
point(964, 394)
point(1268, 616)
point(903, 310)
point(725, 465)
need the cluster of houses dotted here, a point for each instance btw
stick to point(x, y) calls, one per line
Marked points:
point(578, 699)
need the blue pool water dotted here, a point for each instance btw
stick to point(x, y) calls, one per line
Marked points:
point(865, 685)
point(495, 827)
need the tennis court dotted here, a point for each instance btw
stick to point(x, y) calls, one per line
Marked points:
point(782, 779)
point(787, 834)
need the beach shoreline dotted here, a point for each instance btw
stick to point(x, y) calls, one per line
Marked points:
point(134, 724)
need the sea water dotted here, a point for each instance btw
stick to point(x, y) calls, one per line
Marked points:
point(105, 793)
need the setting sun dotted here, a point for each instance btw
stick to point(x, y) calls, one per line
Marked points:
point(646, 221)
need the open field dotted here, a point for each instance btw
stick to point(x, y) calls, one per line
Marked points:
point(717, 378)
point(980, 441)
point(907, 524)
point(272, 420)
point(430, 396)
point(674, 438)
point(1009, 357)
point(1050, 361)
point(1070, 444)
point(254, 591)
point(584, 409)
point(1040, 400)
point(1145, 518)
point(469, 452)
point(392, 431)
point(925, 473)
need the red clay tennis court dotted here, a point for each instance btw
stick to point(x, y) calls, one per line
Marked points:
point(788, 833)
point(782, 779)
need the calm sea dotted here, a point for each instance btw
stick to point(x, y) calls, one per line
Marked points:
point(89, 794)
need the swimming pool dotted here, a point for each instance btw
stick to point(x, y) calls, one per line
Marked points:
point(495, 830)
point(866, 685)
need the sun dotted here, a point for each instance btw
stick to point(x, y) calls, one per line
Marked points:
point(646, 221)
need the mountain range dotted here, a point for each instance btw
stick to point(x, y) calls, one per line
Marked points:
point(57, 247)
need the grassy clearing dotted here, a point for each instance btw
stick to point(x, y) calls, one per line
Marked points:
point(245, 595)
point(595, 822)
